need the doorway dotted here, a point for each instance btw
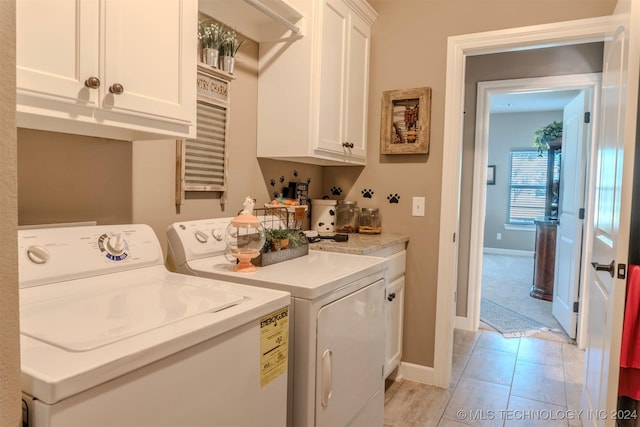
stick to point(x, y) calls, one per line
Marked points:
point(558, 91)
point(460, 50)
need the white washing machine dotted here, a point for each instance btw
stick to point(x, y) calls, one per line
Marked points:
point(337, 320)
point(110, 337)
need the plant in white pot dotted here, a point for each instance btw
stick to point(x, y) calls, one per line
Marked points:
point(211, 36)
point(228, 50)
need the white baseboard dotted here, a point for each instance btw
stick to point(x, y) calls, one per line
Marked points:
point(463, 323)
point(513, 252)
point(417, 373)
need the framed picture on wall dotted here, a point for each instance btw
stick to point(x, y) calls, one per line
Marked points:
point(491, 175)
point(406, 121)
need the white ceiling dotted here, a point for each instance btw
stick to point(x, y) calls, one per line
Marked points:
point(531, 101)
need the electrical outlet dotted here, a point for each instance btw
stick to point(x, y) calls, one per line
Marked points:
point(417, 208)
point(499, 236)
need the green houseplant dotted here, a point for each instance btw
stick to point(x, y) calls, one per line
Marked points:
point(547, 134)
point(282, 238)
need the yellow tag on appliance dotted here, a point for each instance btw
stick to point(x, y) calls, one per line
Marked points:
point(274, 345)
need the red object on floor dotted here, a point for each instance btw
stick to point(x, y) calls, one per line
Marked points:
point(629, 383)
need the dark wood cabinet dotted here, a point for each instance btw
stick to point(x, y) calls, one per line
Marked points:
point(554, 157)
point(544, 261)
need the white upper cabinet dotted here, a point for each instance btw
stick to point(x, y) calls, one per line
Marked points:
point(313, 91)
point(111, 68)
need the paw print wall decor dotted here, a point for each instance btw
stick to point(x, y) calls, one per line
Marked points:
point(336, 191)
point(393, 198)
point(272, 182)
point(367, 193)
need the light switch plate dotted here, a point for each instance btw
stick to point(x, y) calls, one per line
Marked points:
point(417, 207)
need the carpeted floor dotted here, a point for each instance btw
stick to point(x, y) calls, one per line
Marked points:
point(506, 305)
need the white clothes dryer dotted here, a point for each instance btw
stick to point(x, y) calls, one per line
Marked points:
point(337, 321)
point(110, 337)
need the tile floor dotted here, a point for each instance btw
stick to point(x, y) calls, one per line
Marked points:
point(495, 382)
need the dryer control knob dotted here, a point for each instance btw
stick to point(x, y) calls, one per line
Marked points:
point(217, 234)
point(38, 254)
point(201, 236)
point(115, 244)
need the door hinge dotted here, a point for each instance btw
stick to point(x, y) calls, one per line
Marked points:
point(454, 237)
point(622, 271)
point(576, 304)
point(587, 117)
point(581, 213)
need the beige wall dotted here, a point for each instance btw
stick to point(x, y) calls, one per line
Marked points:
point(154, 164)
point(409, 43)
point(72, 178)
point(10, 411)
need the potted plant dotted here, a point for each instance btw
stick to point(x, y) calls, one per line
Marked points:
point(547, 134)
point(228, 50)
point(282, 238)
point(211, 37)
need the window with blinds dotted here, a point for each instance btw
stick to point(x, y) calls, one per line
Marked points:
point(204, 157)
point(527, 186)
point(202, 162)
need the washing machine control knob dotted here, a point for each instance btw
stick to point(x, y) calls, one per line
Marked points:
point(38, 254)
point(201, 236)
point(116, 244)
point(217, 234)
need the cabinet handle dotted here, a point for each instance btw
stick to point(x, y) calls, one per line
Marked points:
point(327, 377)
point(92, 82)
point(391, 296)
point(116, 89)
point(347, 144)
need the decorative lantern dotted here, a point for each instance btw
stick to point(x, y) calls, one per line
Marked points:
point(245, 237)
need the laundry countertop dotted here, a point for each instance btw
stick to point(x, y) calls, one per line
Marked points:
point(361, 244)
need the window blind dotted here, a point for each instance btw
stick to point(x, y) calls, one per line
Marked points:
point(527, 186)
point(204, 161)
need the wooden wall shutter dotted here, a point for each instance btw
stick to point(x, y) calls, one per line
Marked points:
point(202, 162)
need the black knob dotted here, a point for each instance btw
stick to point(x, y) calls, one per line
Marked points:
point(391, 296)
point(347, 144)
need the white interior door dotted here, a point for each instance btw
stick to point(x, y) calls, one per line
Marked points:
point(614, 179)
point(569, 235)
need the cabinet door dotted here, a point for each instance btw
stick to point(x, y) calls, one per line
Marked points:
point(344, 82)
point(56, 51)
point(151, 50)
point(394, 310)
point(349, 355)
point(357, 86)
point(331, 88)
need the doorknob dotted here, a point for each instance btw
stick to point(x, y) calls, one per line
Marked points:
point(605, 267)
